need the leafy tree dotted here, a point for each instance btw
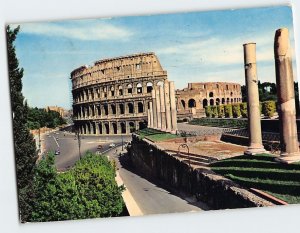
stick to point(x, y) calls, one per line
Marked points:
point(24, 146)
point(228, 110)
point(269, 108)
point(236, 111)
point(88, 190)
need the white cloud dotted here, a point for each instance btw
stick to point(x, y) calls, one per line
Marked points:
point(88, 30)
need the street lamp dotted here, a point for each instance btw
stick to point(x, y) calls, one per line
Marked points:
point(77, 133)
point(188, 153)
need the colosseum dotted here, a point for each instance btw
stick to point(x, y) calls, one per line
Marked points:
point(113, 95)
point(191, 101)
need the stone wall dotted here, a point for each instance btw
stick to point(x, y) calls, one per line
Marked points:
point(218, 192)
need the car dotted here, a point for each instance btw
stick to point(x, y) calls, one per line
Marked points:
point(57, 152)
point(112, 145)
point(99, 147)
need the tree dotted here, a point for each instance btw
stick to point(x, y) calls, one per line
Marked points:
point(24, 145)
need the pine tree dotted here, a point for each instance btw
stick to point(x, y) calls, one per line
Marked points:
point(25, 149)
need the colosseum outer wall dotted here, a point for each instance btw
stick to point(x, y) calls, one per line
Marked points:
point(113, 95)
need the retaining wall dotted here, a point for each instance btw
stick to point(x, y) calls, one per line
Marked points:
point(218, 192)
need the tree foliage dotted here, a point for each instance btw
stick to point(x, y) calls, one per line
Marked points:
point(40, 117)
point(269, 108)
point(88, 190)
point(24, 146)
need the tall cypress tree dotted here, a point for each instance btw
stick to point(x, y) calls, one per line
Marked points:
point(24, 145)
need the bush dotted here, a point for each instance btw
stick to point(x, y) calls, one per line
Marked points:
point(244, 111)
point(269, 108)
point(236, 112)
point(228, 111)
point(208, 111)
point(214, 111)
point(221, 112)
point(88, 190)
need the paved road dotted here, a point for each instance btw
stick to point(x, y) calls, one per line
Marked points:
point(150, 198)
point(68, 146)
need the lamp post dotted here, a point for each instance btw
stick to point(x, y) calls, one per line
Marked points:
point(77, 133)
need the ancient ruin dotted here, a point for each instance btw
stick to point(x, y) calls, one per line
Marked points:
point(113, 96)
point(254, 124)
point(191, 101)
point(286, 98)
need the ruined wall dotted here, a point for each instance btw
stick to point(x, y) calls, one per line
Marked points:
point(217, 191)
point(191, 101)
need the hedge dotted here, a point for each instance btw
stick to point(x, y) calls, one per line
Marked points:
point(268, 108)
point(236, 112)
point(228, 110)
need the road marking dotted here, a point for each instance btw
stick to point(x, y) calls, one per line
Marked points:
point(55, 141)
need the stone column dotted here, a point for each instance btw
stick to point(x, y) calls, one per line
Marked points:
point(286, 98)
point(154, 109)
point(97, 128)
point(158, 110)
point(173, 107)
point(254, 124)
point(151, 114)
point(148, 118)
point(162, 108)
point(167, 106)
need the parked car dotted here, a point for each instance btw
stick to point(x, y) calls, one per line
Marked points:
point(112, 145)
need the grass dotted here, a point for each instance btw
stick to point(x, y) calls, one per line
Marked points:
point(155, 135)
point(262, 172)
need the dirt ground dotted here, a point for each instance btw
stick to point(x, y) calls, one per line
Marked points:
point(215, 149)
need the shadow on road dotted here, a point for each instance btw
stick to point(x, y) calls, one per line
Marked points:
point(126, 163)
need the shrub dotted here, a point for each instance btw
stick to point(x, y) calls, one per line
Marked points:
point(244, 111)
point(228, 110)
point(268, 108)
point(236, 112)
point(88, 190)
point(221, 112)
point(208, 111)
point(214, 111)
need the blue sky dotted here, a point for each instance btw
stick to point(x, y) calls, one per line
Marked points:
point(192, 47)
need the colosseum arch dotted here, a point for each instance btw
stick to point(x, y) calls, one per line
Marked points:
point(211, 102)
point(100, 128)
point(130, 107)
point(217, 101)
point(140, 107)
point(223, 100)
point(139, 88)
point(211, 94)
point(123, 127)
point(131, 127)
point(160, 83)
point(142, 125)
point(129, 89)
point(122, 109)
point(113, 109)
point(120, 90)
point(205, 103)
point(182, 104)
point(115, 128)
point(105, 106)
point(106, 126)
point(149, 87)
point(228, 101)
point(192, 103)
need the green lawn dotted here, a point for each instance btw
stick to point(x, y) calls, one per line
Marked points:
point(262, 172)
point(155, 135)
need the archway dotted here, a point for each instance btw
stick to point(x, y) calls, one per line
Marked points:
point(139, 88)
point(211, 102)
point(105, 106)
point(140, 107)
point(205, 103)
point(130, 107)
point(211, 94)
point(123, 127)
point(183, 104)
point(149, 87)
point(106, 125)
point(217, 101)
point(131, 127)
point(129, 89)
point(121, 107)
point(115, 128)
point(120, 90)
point(223, 100)
point(113, 109)
point(192, 103)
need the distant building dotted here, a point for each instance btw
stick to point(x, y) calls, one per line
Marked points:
point(60, 110)
point(191, 101)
